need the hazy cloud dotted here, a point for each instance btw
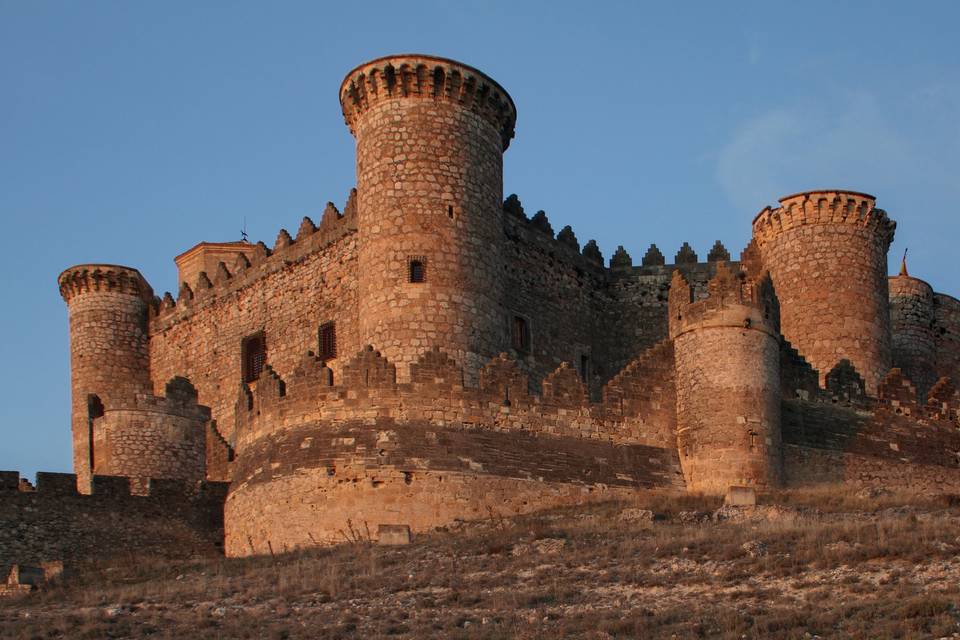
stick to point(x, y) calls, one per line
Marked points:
point(844, 140)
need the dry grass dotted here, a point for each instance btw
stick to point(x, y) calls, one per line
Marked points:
point(827, 563)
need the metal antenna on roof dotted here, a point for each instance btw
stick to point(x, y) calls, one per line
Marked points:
point(243, 232)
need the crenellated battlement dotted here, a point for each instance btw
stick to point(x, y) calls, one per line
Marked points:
point(255, 263)
point(125, 516)
point(105, 486)
point(636, 405)
point(85, 278)
point(824, 207)
point(826, 252)
point(732, 299)
point(538, 231)
point(144, 435)
point(422, 77)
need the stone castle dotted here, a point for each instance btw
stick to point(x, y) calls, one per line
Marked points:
point(431, 353)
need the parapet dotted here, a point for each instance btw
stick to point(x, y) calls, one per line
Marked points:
point(637, 406)
point(249, 263)
point(427, 78)
point(114, 278)
point(65, 484)
point(206, 257)
point(733, 299)
point(823, 207)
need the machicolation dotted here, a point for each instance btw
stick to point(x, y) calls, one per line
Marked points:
point(431, 353)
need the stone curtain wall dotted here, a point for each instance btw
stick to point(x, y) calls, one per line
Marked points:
point(827, 255)
point(578, 307)
point(898, 445)
point(560, 293)
point(286, 295)
point(108, 345)
point(430, 138)
point(175, 519)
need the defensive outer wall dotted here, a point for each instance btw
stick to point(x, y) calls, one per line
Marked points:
point(430, 352)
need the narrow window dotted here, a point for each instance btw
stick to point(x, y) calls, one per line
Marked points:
point(585, 368)
point(94, 411)
point(254, 357)
point(450, 211)
point(328, 341)
point(521, 334)
point(418, 270)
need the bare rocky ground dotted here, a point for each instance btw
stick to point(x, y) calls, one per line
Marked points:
point(828, 564)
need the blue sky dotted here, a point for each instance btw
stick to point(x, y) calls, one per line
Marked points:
point(129, 131)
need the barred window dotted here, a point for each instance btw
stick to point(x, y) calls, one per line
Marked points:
point(328, 341)
point(521, 334)
point(254, 357)
point(418, 270)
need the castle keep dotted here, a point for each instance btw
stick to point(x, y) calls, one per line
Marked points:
point(430, 352)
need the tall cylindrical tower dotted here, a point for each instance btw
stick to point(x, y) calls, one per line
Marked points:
point(827, 256)
point(912, 331)
point(727, 359)
point(430, 139)
point(109, 352)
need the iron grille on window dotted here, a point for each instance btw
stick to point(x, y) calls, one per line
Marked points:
point(418, 271)
point(328, 341)
point(254, 357)
point(521, 334)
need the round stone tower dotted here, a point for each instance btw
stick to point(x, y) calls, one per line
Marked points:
point(827, 256)
point(109, 352)
point(430, 134)
point(727, 359)
point(912, 330)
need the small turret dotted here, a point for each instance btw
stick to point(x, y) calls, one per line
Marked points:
point(109, 355)
point(727, 359)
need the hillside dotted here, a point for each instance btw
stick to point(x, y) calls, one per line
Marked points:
point(829, 563)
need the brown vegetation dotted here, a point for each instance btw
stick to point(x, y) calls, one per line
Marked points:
point(800, 565)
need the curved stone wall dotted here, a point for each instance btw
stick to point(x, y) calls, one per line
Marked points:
point(827, 256)
point(946, 310)
point(727, 356)
point(153, 437)
point(326, 483)
point(430, 138)
point(109, 352)
point(912, 331)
